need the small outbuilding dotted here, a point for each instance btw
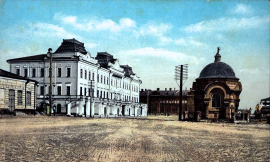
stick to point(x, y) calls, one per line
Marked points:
point(17, 94)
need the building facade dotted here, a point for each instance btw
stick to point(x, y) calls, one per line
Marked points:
point(17, 94)
point(82, 85)
point(262, 110)
point(166, 102)
point(216, 91)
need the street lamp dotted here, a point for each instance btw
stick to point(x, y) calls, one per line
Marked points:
point(50, 73)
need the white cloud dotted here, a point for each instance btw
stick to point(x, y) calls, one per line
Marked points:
point(70, 19)
point(241, 9)
point(155, 30)
point(165, 40)
point(190, 41)
point(50, 30)
point(163, 53)
point(224, 24)
point(96, 24)
point(127, 22)
point(90, 45)
point(181, 41)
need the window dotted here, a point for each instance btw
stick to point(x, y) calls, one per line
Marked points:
point(2, 96)
point(41, 90)
point(85, 91)
point(100, 78)
point(19, 97)
point(25, 72)
point(11, 103)
point(68, 90)
point(58, 90)
point(216, 100)
point(97, 77)
point(68, 72)
point(28, 98)
point(104, 80)
point(33, 72)
point(59, 72)
point(107, 95)
point(107, 80)
point(81, 73)
point(48, 92)
point(81, 91)
point(100, 94)
point(97, 93)
point(93, 76)
point(85, 74)
point(89, 75)
point(42, 72)
point(104, 95)
point(18, 71)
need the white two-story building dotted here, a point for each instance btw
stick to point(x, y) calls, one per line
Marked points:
point(81, 84)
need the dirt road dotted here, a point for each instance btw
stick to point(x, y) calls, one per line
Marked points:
point(77, 139)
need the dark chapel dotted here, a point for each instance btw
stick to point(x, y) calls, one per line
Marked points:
point(216, 91)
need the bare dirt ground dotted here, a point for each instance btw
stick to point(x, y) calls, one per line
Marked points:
point(159, 138)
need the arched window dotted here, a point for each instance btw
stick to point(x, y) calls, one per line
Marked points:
point(216, 100)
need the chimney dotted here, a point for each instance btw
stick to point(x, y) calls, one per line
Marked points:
point(174, 89)
point(165, 89)
point(157, 89)
point(170, 89)
point(142, 90)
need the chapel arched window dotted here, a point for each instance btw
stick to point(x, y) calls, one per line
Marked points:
point(216, 100)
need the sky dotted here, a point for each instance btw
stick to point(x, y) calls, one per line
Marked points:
point(150, 36)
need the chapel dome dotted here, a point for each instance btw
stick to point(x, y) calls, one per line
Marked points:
point(217, 69)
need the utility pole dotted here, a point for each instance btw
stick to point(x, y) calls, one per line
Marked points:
point(148, 103)
point(181, 73)
point(180, 95)
point(50, 73)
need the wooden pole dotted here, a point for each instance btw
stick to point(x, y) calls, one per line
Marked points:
point(50, 73)
point(180, 94)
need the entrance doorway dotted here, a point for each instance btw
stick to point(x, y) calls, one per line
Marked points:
point(58, 109)
point(105, 111)
point(123, 110)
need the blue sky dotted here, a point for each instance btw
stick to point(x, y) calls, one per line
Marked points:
point(151, 36)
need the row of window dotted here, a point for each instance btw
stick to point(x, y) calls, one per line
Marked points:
point(19, 98)
point(101, 94)
point(105, 80)
point(102, 79)
point(59, 90)
point(42, 72)
point(85, 75)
